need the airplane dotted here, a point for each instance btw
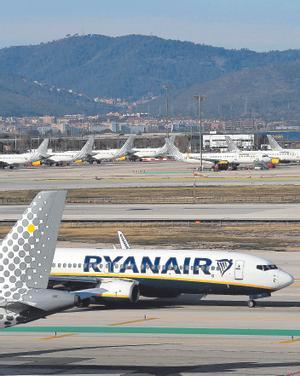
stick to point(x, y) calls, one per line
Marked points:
point(284, 155)
point(113, 275)
point(13, 160)
point(232, 159)
point(112, 154)
point(67, 157)
point(140, 153)
point(26, 256)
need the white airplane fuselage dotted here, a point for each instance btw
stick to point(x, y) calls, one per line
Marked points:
point(17, 159)
point(147, 152)
point(241, 157)
point(171, 272)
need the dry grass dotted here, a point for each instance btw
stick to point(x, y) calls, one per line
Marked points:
point(279, 237)
point(176, 195)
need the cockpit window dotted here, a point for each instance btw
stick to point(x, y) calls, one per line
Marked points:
point(266, 267)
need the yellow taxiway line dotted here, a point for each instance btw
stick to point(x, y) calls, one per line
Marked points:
point(133, 321)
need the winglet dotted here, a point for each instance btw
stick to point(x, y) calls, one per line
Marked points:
point(123, 241)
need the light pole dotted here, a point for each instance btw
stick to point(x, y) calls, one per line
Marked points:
point(166, 87)
point(200, 99)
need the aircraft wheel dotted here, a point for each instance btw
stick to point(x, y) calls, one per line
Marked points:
point(83, 303)
point(251, 303)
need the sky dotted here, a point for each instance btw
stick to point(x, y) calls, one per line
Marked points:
point(260, 25)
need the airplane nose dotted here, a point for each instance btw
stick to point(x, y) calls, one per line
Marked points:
point(285, 279)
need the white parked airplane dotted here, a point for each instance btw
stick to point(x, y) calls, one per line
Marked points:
point(114, 274)
point(112, 154)
point(232, 159)
point(140, 153)
point(284, 155)
point(67, 157)
point(26, 256)
point(13, 160)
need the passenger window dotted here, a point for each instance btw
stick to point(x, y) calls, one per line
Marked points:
point(64, 265)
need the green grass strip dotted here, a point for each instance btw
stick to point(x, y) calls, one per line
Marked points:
point(155, 330)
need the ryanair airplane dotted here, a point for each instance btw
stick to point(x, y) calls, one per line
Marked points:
point(112, 274)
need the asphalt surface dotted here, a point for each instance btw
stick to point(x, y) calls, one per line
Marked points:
point(87, 350)
point(139, 174)
point(144, 212)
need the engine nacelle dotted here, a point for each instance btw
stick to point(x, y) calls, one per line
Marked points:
point(117, 289)
point(110, 290)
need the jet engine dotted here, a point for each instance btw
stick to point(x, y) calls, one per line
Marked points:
point(110, 290)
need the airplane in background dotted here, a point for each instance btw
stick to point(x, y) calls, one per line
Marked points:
point(112, 154)
point(232, 159)
point(113, 275)
point(14, 160)
point(284, 155)
point(26, 256)
point(67, 157)
point(140, 153)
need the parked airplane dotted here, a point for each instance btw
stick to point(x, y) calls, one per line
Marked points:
point(113, 274)
point(284, 155)
point(113, 154)
point(67, 157)
point(13, 160)
point(231, 159)
point(26, 255)
point(140, 153)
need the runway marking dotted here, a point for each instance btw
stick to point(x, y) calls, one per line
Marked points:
point(58, 336)
point(133, 321)
point(290, 341)
point(156, 330)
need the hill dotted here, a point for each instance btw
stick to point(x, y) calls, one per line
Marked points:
point(134, 66)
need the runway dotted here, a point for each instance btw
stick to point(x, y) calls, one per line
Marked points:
point(139, 174)
point(195, 337)
point(156, 212)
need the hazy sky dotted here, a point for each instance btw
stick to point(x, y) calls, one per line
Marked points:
point(256, 24)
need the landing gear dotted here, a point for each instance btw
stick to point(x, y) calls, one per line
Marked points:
point(251, 303)
point(83, 303)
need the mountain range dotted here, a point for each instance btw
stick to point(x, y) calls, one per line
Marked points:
point(65, 76)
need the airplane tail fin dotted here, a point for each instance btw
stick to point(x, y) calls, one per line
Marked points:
point(173, 151)
point(274, 144)
point(26, 256)
point(126, 147)
point(41, 152)
point(87, 149)
point(27, 252)
point(168, 142)
point(231, 144)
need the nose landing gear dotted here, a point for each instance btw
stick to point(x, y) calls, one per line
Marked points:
point(251, 303)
